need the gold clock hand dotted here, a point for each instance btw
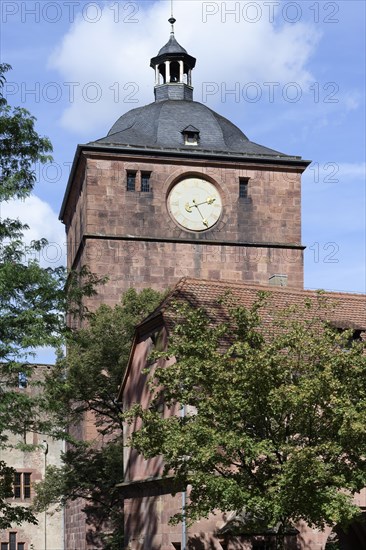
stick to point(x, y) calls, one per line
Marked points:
point(188, 208)
point(209, 200)
point(204, 221)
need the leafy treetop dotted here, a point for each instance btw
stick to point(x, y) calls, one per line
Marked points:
point(31, 297)
point(273, 424)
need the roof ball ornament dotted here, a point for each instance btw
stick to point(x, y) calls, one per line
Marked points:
point(172, 20)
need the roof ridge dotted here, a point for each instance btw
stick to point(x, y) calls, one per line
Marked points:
point(243, 284)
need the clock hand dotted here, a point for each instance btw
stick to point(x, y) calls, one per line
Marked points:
point(188, 207)
point(204, 221)
point(209, 200)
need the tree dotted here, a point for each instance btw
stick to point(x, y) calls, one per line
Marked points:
point(273, 416)
point(29, 294)
point(83, 383)
point(31, 297)
point(33, 300)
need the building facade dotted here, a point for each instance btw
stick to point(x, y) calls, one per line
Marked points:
point(149, 503)
point(176, 190)
point(30, 468)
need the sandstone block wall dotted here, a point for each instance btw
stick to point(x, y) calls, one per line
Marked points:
point(131, 237)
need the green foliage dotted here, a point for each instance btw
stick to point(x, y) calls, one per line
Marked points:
point(20, 148)
point(29, 294)
point(97, 355)
point(31, 297)
point(273, 420)
point(86, 383)
point(33, 303)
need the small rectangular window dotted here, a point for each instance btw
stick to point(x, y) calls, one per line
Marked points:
point(27, 485)
point(18, 485)
point(145, 182)
point(13, 541)
point(4, 546)
point(22, 485)
point(21, 545)
point(243, 188)
point(131, 181)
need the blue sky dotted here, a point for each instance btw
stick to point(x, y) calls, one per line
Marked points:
point(289, 74)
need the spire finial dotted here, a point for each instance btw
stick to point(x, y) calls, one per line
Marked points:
point(172, 20)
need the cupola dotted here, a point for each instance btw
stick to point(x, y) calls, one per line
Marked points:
point(173, 70)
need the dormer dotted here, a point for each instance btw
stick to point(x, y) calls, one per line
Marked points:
point(191, 135)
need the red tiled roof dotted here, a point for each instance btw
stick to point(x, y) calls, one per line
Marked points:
point(343, 310)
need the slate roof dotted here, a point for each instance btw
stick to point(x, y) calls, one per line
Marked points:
point(172, 46)
point(343, 310)
point(160, 125)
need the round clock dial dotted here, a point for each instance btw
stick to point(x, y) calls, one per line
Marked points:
point(195, 204)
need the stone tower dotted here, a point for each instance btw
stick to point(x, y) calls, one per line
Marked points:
point(176, 190)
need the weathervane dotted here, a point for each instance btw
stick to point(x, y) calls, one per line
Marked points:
point(171, 19)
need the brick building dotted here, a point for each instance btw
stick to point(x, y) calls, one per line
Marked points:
point(149, 503)
point(176, 190)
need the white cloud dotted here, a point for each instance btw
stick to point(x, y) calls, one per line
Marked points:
point(43, 223)
point(115, 56)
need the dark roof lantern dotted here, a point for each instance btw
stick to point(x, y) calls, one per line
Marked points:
point(173, 71)
point(173, 51)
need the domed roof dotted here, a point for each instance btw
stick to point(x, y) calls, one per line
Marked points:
point(172, 46)
point(162, 124)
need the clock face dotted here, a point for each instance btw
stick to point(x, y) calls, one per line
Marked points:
point(195, 204)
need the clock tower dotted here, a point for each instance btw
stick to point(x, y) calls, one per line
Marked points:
point(175, 189)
